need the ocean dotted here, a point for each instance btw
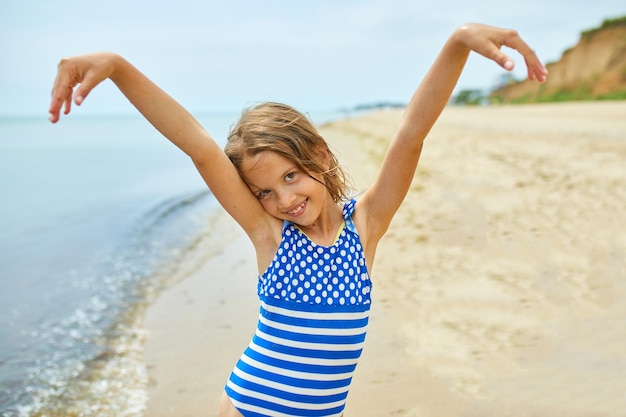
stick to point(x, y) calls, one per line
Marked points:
point(96, 212)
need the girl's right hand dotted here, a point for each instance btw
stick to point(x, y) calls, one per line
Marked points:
point(87, 71)
point(488, 41)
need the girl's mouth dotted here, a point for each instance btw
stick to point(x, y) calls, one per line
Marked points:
point(298, 210)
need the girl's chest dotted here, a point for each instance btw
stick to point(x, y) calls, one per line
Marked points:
point(304, 272)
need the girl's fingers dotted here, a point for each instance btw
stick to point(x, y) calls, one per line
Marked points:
point(85, 87)
point(61, 95)
point(488, 41)
point(61, 99)
point(75, 79)
point(69, 75)
point(68, 102)
point(495, 54)
point(535, 70)
point(506, 63)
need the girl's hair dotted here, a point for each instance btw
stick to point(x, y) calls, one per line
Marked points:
point(282, 129)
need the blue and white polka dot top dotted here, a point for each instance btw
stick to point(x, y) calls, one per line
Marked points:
point(315, 303)
point(305, 272)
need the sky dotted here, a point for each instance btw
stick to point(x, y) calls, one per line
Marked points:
point(222, 56)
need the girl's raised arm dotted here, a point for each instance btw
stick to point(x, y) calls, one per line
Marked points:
point(83, 73)
point(384, 197)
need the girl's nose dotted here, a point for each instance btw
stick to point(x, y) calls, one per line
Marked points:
point(285, 199)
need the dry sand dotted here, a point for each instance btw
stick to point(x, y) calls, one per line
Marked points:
point(499, 290)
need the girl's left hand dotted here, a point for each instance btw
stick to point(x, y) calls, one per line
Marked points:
point(84, 71)
point(488, 40)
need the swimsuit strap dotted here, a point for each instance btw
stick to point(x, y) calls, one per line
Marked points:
point(348, 209)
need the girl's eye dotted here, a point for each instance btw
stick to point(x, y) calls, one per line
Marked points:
point(262, 194)
point(290, 176)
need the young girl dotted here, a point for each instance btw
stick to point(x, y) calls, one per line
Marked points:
point(315, 247)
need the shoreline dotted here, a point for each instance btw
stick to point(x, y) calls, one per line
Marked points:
point(499, 287)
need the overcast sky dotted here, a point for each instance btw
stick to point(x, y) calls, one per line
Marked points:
point(224, 55)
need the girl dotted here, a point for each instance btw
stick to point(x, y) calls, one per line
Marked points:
point(315, 247)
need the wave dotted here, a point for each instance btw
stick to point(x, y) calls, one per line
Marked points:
point(171, 206)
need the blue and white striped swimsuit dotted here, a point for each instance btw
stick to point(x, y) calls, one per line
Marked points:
point(315, 303)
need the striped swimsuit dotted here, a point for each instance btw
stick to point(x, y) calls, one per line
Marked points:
point(315, 303)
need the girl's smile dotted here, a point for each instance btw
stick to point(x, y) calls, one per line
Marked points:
point(299, 210)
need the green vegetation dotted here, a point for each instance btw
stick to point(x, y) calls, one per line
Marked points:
point(608, 23)
point(618, 95)
point(470, 97)
point(579, 94)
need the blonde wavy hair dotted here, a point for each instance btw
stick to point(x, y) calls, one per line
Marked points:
point(282, 129)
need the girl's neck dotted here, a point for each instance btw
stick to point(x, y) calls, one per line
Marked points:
point(324, 230)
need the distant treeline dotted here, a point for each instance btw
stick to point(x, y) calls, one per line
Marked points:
point(379, 106)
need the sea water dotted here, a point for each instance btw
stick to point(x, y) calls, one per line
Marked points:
point(95, 212)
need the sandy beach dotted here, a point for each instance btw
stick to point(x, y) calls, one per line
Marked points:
point(499, 289)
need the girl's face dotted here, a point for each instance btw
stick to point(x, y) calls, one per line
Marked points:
point(285, 191)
